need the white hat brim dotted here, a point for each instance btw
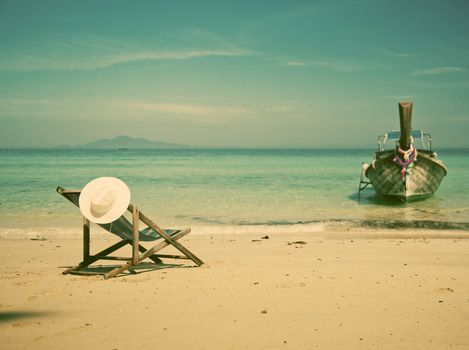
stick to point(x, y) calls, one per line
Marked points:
point(121, 201)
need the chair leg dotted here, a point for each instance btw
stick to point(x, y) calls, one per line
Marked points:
point(86, 239)
point(155, 259)
point(144, 255)
point(170, 239)
point(135, 240)
point(91, 259)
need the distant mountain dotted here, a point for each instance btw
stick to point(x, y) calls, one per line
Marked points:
point(124, 142)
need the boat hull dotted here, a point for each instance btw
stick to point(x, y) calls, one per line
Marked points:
point(425, 178)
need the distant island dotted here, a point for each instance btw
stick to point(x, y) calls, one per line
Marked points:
point(126, 142)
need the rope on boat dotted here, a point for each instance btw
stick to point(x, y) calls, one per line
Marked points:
point(405, 159)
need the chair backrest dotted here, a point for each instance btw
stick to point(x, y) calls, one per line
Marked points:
point(120, 227)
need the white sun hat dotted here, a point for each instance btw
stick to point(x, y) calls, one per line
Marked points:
point(104, 200)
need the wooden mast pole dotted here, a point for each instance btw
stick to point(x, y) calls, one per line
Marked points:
point(405, 116)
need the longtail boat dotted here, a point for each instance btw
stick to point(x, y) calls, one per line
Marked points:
point(407, 171)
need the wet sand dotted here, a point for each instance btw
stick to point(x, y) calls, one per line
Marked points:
point(355, 289)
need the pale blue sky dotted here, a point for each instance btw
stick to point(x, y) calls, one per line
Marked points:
point(232, 73)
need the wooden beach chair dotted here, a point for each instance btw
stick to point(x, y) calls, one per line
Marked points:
point(130, 234)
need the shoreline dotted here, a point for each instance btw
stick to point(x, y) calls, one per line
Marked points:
point(339, 227)
point(337, 289)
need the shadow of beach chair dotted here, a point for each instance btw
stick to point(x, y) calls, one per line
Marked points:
point(130, 234)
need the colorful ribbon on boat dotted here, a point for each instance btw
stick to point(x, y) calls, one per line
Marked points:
point(405, 159)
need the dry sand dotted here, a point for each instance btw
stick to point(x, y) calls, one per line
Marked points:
point(360, 289)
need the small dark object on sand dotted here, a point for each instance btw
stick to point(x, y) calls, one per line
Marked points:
point(265, 237)
point(297, 242)
point(37, 238)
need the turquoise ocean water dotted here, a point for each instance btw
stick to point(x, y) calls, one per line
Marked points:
point(216, 189)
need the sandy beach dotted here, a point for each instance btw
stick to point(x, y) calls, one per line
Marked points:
point(336, 289)
point(318, 151)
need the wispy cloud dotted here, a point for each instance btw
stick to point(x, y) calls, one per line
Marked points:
point(198, 111)
point(19, 102)
point(207, 112)
point(399, 97)
point(174, 107)
point(90, 52)
point(335, 65)
point(159, 55)
point(437, 70)
point(295, 63)
point(393, 53)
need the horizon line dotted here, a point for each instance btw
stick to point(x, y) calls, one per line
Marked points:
point(228, 147)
